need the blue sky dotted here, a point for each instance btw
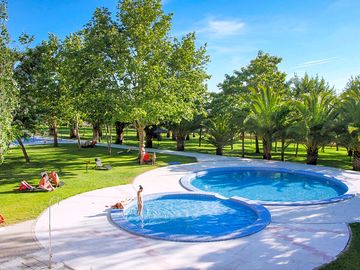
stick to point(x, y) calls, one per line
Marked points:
point(318, 37)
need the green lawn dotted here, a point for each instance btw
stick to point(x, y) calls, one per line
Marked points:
point(70, 163)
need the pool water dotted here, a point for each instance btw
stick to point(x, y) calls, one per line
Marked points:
point(190, 217)
point(269, 185)
point(39, 140)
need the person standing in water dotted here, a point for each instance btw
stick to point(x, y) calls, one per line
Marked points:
point(139, 201)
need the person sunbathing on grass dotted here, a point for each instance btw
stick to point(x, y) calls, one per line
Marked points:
point(54, 178)
point(44, 182)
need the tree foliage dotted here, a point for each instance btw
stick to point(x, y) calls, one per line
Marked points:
point(8, 87)
point(162, 78)
point(317, 118)
point(351, 116)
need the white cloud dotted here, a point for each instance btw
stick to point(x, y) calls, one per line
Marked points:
point(221, 28)
point(316, 62)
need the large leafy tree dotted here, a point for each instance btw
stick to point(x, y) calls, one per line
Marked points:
point(8, 88)
point(351, 116)
point(52, 98)
point(28, 115)
point(162, 78)
point(317, 113)
point(104, 48)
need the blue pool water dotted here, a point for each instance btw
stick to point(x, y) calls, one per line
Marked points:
point(38, 140)
point(192, 217)
point(269, 185)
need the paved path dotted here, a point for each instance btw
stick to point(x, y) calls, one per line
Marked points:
point(301, 237)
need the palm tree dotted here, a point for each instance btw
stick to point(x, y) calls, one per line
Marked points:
point(351, 112)
point(317, 116)
point(221, 132)
point(266, 106)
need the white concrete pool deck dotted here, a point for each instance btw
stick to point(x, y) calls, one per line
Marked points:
point(299, 237)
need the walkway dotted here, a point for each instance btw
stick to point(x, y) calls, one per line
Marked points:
point(299, 237)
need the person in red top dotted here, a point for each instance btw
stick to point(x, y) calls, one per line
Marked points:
point(54, 178)
point(146, 157)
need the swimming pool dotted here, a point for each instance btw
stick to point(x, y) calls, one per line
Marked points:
point(271, 186)
point(192, 217)
point(40, 140)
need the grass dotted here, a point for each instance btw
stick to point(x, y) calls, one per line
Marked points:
point(70, 163)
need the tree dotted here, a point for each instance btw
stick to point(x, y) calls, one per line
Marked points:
point(104, 48)
point(351, 113)
point(262, 72)
point(317, 118)
point(8, 88)
point(220, 132)
point(162, 79)
point(28, 115)
point(183, 128)
point(222, 123)
point(266, 107)
point(51, 97)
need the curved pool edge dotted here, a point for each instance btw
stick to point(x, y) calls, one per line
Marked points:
point(351, 192)
point(116, 217)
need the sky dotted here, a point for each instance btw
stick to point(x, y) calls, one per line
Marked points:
point(318, 37)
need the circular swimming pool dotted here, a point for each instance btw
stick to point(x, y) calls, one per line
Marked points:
point(192, 218)
point(268, 185)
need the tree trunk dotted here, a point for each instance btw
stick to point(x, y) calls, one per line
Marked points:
point(312, 155)
point(257, 149)
point(356, 160)
point(173, 137)
point(55, 129)
point(283, 149)
point(266, 148)
point(149, 134)
point(180, 142)
point(51, 130)
point(242, 144)
point(168, 134)
point(108, 137)
point(140, 131)
point(337, 147)
point(119, 132)
point(72, 132)
point(219, 151)
point(350, 152)
point(275, 146)
point(200, 134)
point(297, 149)
point(96, 132)
point(187, 137)
point(23, 149)
point(77, 131)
